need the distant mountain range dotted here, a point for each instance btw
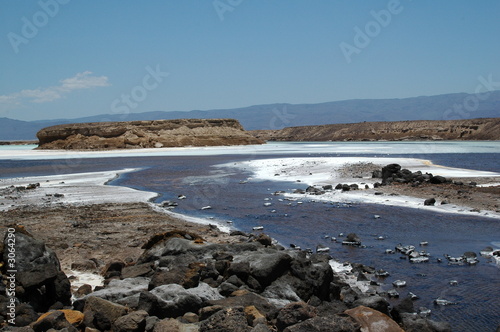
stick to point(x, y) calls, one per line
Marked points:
point(278, 116)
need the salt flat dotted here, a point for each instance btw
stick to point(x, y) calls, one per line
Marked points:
point(26, 152)
point(317, 171)
point(76, 188)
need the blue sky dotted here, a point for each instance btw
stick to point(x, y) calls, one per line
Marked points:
point(73, 58)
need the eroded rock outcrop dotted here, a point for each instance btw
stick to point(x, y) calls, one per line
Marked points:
point(145, 134)
point(470, 129)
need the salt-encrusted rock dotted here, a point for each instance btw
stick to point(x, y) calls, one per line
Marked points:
point(119, 289)
point(173, 300)
point(282, 291)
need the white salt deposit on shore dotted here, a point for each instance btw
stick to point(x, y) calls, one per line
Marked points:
point(325, 170)
point(76, 188)
point(81, 278)
point(202, 221)
point(26, 152)
point(85, 188)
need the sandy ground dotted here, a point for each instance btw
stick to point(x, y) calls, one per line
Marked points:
point(106, 232)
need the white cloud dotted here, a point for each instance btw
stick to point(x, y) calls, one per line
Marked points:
point(80, 81)
point(83, 81)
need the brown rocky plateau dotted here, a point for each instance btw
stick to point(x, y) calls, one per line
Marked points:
point(145, 134)
point(471, 129)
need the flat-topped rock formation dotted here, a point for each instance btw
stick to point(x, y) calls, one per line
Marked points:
point(472, 129)
point(145, 134)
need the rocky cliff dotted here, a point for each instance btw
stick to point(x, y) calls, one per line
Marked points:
point(473, 129)
point(145, 134)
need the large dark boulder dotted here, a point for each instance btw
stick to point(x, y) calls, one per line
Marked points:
point(438, 179)
point(137, 270)
point(101, 314)
point(403, 307)
point(132, 322)
point(287, 289)
point(39, 273)
point(389, 170)
point(170, 301)
point(294, 313)
point(186, 276)
point(430, 201)
point(264, 266)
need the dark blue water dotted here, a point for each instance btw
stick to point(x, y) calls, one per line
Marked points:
point(307, 224)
